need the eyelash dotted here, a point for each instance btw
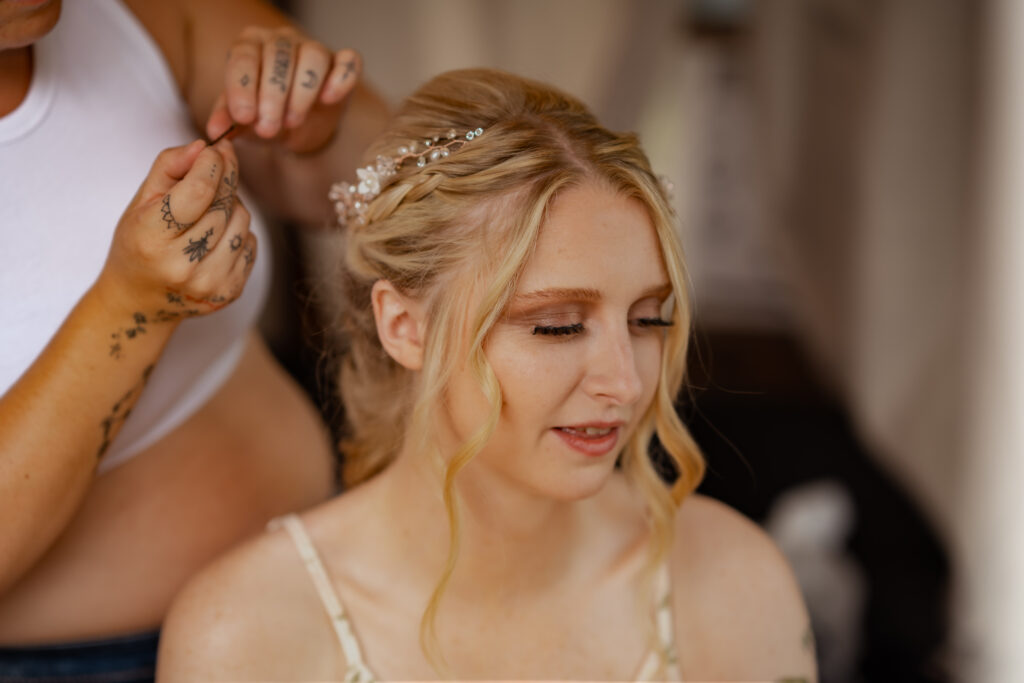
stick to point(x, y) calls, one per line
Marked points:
point(576, 328)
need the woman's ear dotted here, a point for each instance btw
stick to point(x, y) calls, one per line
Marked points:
point(399, 324)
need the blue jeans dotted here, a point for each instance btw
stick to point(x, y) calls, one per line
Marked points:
point(126, 659)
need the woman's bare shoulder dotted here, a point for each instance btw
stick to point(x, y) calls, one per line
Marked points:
point(739, 612)
point(253, 614)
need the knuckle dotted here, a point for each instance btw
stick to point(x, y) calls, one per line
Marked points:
point(177, 273)
point(196, 194)
point(252, 33)
point(241, 214)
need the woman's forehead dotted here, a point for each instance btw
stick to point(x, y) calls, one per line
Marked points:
point(594, 236)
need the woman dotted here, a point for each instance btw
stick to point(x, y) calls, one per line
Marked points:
point(516, 320)
point(134, 441)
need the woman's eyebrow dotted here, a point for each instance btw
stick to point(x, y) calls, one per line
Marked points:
point(586, 294)
point(559, 294)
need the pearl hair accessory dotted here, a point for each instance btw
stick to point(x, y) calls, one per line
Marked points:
point(351, 201)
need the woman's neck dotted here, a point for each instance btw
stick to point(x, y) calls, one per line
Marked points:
point(510, 541)
point(15, 77)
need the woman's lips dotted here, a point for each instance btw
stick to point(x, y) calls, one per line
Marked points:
point(589, 440)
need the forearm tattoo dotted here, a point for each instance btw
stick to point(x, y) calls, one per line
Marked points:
point(196, 250)
point(176, 299)
point(168, 217)
point(282, 60)
point(183, 311)
point(120, 412)
point(137, 327)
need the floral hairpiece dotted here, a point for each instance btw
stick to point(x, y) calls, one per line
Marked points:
point(351, 201)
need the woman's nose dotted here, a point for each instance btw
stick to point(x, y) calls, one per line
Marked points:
point(612, 372)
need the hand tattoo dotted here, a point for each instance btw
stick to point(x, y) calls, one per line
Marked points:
point(224, 200)
point(311, 79)
point(168, 216)
point(235, 243)
point(198, 249)
point(244, 81)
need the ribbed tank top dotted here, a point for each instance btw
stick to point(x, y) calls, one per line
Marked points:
point(101, 105)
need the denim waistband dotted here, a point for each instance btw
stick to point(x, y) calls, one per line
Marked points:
point(124, 659)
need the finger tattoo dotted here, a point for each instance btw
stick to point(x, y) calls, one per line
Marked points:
point(168, 216)
point(198, 249)
point(244, 81)
point(350, 66)
point(311, 79)
point(224, 200)
point(235, 243)
point(282, 60)
point(248, 255)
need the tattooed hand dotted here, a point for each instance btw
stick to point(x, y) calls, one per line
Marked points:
point(183, 246)
point(289, 87)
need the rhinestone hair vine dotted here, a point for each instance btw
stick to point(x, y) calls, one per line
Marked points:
point(351, 201)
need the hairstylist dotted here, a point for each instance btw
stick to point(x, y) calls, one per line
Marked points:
point(144, 427)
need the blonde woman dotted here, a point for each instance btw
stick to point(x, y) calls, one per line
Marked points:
point(516, 317)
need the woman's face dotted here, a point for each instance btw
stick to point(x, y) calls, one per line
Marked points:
point(578, 354)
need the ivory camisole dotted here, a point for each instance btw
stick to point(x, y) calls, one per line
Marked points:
point(101, 105)
point(662, 659)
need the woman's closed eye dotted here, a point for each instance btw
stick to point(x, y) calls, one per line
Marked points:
point(576, 328)
point(652, 322)
point(558, 330)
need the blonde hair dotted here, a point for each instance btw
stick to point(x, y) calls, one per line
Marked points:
point(477, 214)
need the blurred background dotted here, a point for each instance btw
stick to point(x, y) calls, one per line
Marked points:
point(846, 175)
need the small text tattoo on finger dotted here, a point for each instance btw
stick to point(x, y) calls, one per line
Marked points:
point(168, 216)
point(282, 60)
point(350, 66)
point(311, 79)
point(196, 250)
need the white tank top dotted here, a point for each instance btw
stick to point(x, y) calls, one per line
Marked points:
point(101, 105)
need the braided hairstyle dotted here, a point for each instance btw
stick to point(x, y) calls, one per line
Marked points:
point(473, 218)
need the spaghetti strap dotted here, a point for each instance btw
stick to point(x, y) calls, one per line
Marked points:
point(356, 670)
point(664, 658)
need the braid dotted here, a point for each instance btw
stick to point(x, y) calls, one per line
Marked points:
point(409, 189)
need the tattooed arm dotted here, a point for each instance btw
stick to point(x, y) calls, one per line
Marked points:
point(304, 114)
point(176, 252)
